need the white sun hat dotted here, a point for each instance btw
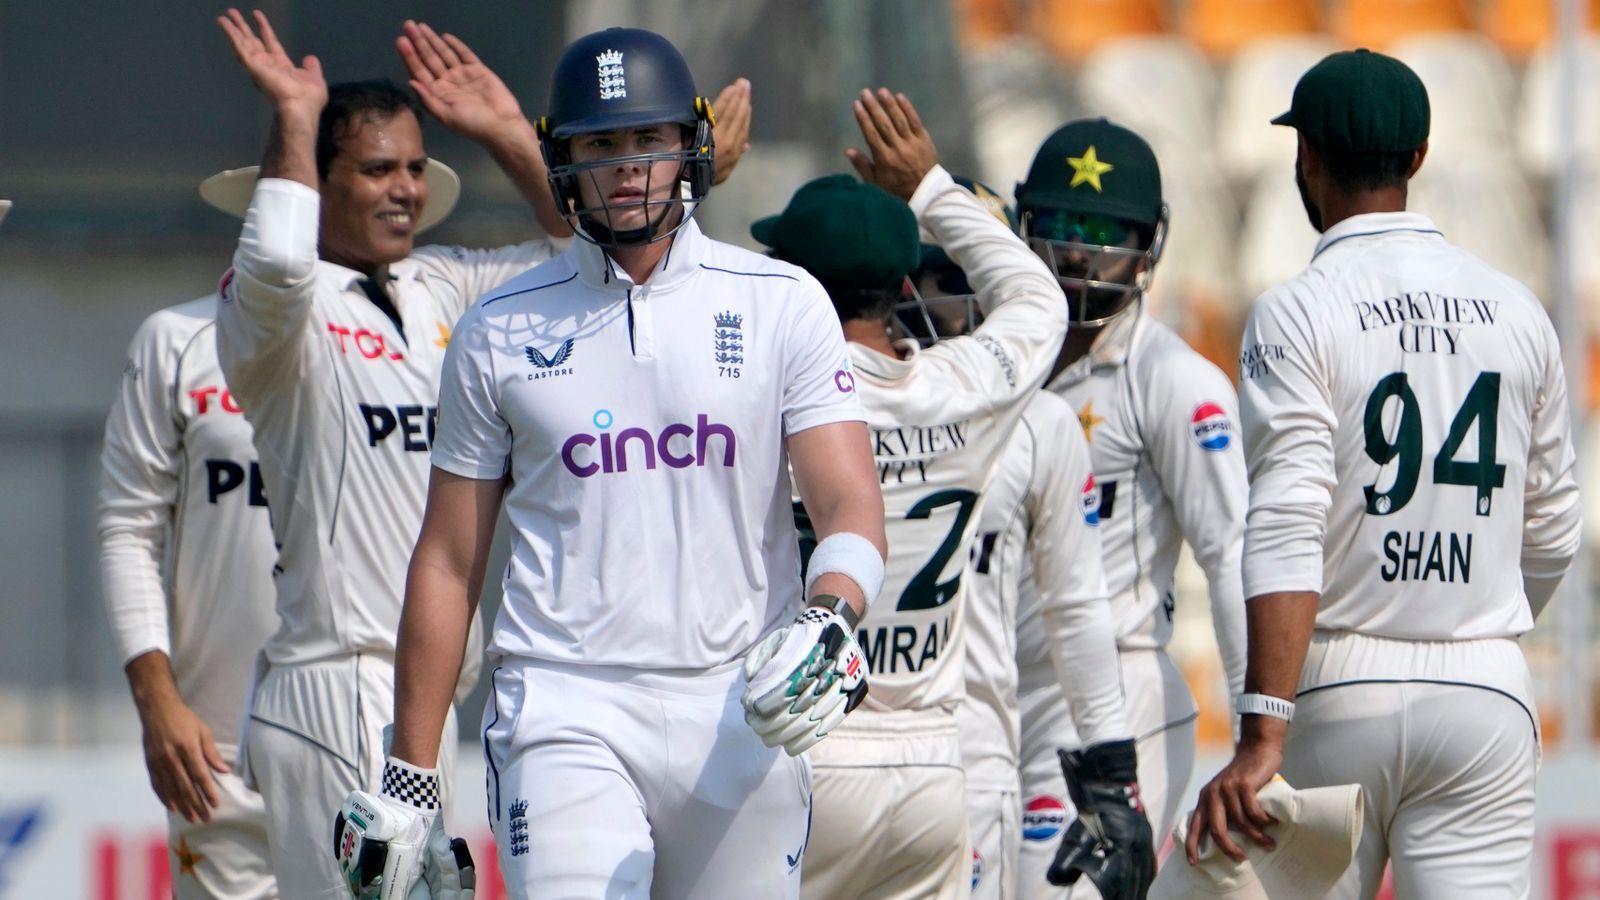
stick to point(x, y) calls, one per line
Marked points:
point(230, 191)
point(1317, 833)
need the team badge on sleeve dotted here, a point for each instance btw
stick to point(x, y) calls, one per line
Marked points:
point(1043, 818)
point(1211, 427)
point(1091, 501)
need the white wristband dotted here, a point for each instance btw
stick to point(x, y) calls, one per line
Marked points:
point(1264, 705)
point(851, 555)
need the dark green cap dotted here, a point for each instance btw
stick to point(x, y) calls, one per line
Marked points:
point(846, 233)
point(1357, 101)
point(1094, 167)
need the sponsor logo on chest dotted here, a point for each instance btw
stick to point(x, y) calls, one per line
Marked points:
point(679, 445)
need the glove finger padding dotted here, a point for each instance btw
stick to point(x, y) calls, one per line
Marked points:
point(802, 680)
point(1111, 842)
point(449, 871)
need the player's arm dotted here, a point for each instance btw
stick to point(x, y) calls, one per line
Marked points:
point(1551, 512)
point(266, 296)
point(838, 483)
point(1288, 423)
point(1204, 476)
point(442, 588)
point(1069, 575)
point(1026, 314)
point(139, 474)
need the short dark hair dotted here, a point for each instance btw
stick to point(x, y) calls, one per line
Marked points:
point(873, 304)
point(1366, 171)
point(377, 100)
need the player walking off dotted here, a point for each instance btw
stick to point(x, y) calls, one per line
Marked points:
point(637, 402)
point(1159, 421)
point(331, 332)
point(1406, 424)
point(186, 561)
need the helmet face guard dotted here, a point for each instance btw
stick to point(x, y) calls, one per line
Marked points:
point(691, 181)
point(930, 320)
point(1094, 300)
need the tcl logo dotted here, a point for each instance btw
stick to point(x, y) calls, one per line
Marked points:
point(369, 344)
point(215, 397)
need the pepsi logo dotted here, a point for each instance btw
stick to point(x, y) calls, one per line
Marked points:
point(1211, 427)
point(977, 868)
point(1043, 817)
point(1091, 501)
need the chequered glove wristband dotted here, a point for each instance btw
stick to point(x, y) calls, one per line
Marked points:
point(417, 788)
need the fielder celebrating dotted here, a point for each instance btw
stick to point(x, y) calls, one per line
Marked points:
point(940, 420)
point(331, 332)
point(186, 561)
point(1406, 423)
point(1159, 421)
point(637, 402)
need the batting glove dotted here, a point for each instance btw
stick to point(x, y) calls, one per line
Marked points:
point(1111, 841)
point(392, 845)
point(802, 680)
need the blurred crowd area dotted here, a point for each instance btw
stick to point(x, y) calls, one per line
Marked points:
point(1201, 79)
point(108, 227)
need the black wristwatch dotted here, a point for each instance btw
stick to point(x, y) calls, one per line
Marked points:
point(839, 605)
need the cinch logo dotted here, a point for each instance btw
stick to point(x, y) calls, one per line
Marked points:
point(1210, 426)
point(1043, 818)
point(1091, 502)
point(679, 446)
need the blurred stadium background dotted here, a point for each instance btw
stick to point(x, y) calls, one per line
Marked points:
point(111, 116)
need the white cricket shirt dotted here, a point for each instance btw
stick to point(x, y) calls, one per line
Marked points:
point(343, 405)
point(643, 428)
point(186, 549)
point(1160, 420)
point(940, 420)
point(1036, 570)
point(1405, 418)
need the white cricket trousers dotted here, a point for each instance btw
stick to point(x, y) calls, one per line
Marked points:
point(890, 810)
point(994, 821)
point(1161, 713)
point(1442, 738)
point(626, 784)
point(315, 734)
point(226, 858)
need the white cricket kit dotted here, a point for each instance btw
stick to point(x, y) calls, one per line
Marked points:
point(1036, 536)
point(643, 429)
point(342, 401)
point(186, 561)
point(1405, 419)
point(940, 421)
point(1160, 423)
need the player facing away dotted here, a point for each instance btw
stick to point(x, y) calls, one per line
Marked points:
point(331, 331)
point(186, 561)
point(940, 419)
point(1159, 421)
point(1036, 578)
point(1412, 509)
point(636, 403)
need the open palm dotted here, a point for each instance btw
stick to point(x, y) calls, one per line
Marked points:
point(454, 85)
point(299, 87)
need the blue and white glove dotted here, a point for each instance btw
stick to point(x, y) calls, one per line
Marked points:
point(802, 680)
point(392, 846)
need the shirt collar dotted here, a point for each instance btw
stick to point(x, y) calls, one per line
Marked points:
point(1110, 347)
point(349, 279)
point(681, 260)
point(1371, 224)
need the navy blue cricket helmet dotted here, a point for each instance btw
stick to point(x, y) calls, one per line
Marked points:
point(617, 79)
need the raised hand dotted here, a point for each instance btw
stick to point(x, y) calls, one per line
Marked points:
point(455, 86)
point(732, 130)
point(899, 150)
point(293, 89)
